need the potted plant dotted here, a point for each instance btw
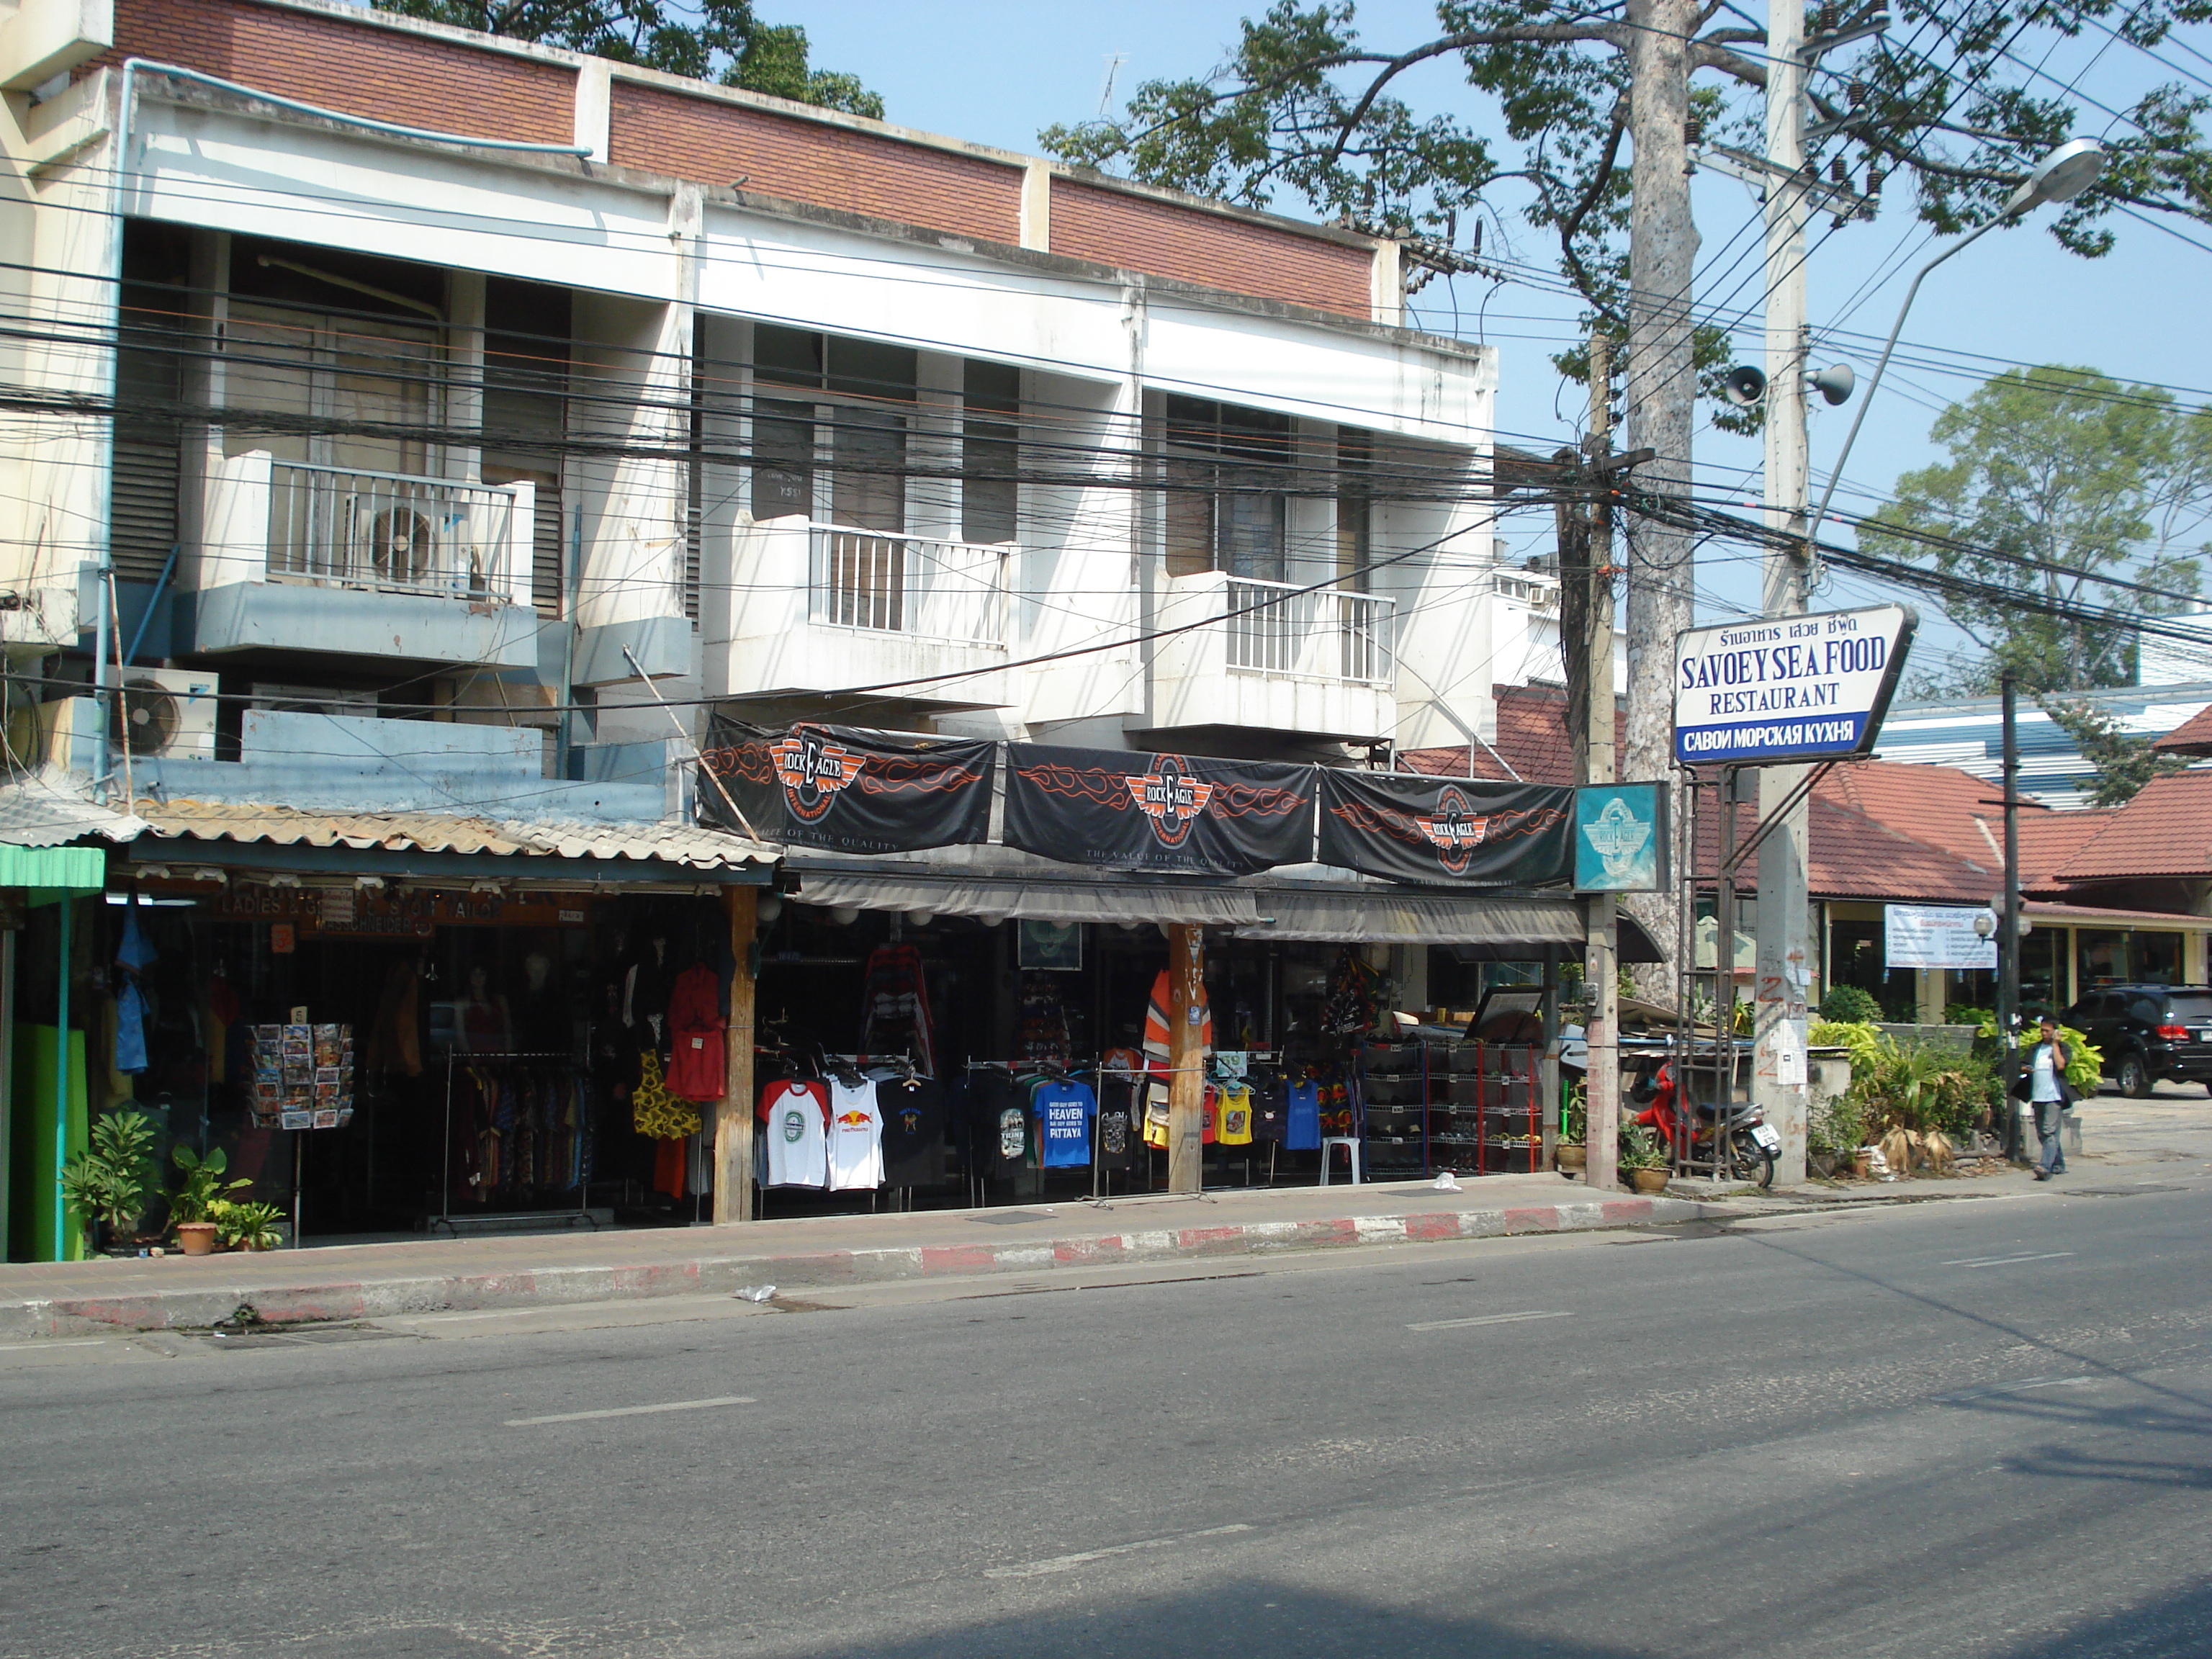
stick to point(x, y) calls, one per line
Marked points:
point(1572, 1153)
point(1642, 1160)
point(201, 1188)
point(106, 1183)
point(244, 1226)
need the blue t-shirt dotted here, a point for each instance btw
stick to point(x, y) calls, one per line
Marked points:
point(1301, 1110)
point(1065, 1109)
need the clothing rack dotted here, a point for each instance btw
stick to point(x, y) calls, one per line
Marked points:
point(515, 1220)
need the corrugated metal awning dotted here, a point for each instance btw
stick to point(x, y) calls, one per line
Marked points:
point(437, 842)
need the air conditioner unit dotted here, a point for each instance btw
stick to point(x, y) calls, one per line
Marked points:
point(63, 732)
point(389, 543)
point(165, 713)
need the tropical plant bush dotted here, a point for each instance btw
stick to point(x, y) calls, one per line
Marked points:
point(1574, 1116)
point(203, 1186)
point(244, 1226)
point(1960, 1013)
point(1924, 1086)
point(1640, 1148)
point(109, 1179)
point(1848, 1003)
point(1836, 1125)
point(1858, 1038)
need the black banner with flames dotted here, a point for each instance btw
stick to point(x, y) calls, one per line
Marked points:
point(1447, 831)
point(841, 790)
point(1176, 814)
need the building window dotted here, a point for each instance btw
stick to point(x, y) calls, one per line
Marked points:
point(1224, 469)
point(1355, 508)
point(841, 452)
point(990, 453)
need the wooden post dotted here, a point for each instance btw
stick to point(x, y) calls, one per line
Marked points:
point(1185, 1058)
point(734, 1112)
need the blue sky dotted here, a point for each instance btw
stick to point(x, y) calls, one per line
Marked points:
point(995, 71)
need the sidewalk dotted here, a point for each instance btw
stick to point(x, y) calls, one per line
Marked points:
point(364, 1281)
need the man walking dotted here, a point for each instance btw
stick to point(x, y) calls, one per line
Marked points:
point(2046, 1088)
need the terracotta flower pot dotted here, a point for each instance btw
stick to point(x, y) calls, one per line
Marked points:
point(1862, 1166)
point(1647, 1181)
point(195, 1238)
point(1572, 1159)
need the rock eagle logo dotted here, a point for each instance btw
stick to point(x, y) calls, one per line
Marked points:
point(813, 769)
point(1454, 828)
point(1171, 797)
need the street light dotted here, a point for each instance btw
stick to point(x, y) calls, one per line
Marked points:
point(2059, 176)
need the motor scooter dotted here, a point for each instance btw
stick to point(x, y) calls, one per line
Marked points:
point(1740, 1144)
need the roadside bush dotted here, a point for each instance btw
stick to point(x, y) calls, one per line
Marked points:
point(1924, 1086)
point(1854, 1037)
point(1836, 1126)
point(1958, 1013)
point(1849, 1003)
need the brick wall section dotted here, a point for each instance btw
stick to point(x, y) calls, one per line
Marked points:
point(1163, 240)
point(450, 87)
point(713, 143)
point(380, 73)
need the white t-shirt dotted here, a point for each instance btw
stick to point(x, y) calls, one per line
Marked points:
point(856, 1137)
point(2043, 1074)
point(797, 1154)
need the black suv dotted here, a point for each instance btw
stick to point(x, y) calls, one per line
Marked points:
point(2148, 1032)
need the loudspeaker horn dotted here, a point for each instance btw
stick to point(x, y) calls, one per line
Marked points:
point(1835, 383)
point(1744, 384)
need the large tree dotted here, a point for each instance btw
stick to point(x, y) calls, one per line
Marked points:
point(2056, 482)
point(1953, 94)
point(708, 40)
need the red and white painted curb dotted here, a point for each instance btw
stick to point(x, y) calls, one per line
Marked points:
point(200, 1305)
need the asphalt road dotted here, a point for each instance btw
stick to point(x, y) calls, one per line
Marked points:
point(1966, 1428)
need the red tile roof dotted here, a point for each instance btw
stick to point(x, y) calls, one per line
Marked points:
point(2047, 840)
point(1532, 739)
point(2192, 737)
point(1850, 856)
point(1941, 805)
point(2166, 830)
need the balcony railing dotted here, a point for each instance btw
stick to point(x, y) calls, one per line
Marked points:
point(387, 532)
point(1321, 633)
point(952, 592)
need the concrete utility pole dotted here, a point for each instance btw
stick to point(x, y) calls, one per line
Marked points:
point(1601, 921)
point(1784, 968)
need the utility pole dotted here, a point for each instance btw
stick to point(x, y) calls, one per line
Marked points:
point(1783, 966)
point(1601, 953)
point(2009, 930)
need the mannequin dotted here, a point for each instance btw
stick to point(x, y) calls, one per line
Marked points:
point(485, 1026)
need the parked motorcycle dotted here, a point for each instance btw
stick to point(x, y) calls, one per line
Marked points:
point(1747, 1145)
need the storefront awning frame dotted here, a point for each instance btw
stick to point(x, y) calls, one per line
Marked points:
point(518, 869)
point(1494, 926)
point(1133, 899)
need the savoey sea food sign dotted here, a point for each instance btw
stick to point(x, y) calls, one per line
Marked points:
point(1789, 688)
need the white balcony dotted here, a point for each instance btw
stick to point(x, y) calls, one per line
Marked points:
point(1274, 657)
point(340, 561)
point(817, 607)
point(386, 532)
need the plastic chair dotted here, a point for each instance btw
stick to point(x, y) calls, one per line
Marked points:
point(1350, 1145)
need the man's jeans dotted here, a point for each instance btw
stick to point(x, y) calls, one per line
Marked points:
point(2049, 1120)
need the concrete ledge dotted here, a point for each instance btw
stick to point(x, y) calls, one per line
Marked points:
point(279, 1299)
